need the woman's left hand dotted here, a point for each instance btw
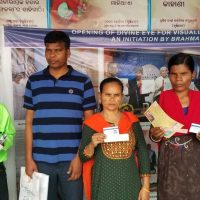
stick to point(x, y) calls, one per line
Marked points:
point(198, 136)
point(143, 194)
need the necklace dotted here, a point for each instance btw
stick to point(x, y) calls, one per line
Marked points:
point(112, 119)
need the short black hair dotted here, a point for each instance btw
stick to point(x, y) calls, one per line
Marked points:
point(57, 36)
point(181, 58)
point(111, 80)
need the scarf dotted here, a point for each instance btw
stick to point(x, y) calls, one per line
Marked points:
point(171, 105)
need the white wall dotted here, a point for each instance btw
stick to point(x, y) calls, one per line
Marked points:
point(6, 97)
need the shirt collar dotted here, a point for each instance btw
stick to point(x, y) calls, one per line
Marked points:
point(46, 71)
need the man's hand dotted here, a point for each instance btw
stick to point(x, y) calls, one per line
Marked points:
point(31, 167)
point(75, 169)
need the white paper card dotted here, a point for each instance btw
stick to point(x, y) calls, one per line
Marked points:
point(117, 138)
point(194, 128)
point(112, 135)
point(183, 130)
point(111, 130)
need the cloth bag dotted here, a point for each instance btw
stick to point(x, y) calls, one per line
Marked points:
point(35, 188)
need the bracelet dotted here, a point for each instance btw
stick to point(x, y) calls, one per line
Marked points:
point(154, 140)
point(87, 152)
point(145, 189)
point(145, 175)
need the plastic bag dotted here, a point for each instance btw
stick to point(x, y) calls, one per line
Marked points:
point(35, 188)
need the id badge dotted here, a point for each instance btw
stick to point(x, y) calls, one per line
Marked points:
point(112, 135)
point(194, 128)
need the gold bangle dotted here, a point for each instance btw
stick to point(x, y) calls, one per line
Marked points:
point(87, 151)
point(156, 140)
point(145, 175)
point(145, 189)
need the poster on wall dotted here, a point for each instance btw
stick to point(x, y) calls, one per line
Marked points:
point(21, 13)
point(155, 40)
point(26, 61)
point(143, 72)
point(1, 49)
point(175, 15)
point(139, 69)
point(99, 15)
point(146, 74)
point(86, 60)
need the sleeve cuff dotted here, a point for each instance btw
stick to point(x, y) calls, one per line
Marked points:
point(145, 175)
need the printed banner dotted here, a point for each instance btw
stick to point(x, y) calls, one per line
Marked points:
point(30, 37)
point(175, 15)
point(119, 45)
point(99, 15)
point(110, 15)
point(23, 13)
point(26, 61)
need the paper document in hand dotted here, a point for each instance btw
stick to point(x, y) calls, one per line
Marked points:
point(35, 188)
point(158, 118)
point(112, 135)
point(194, 128)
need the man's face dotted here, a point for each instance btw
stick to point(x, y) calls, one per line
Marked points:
point(164, 72)
point(56, 54)
point(113, 69)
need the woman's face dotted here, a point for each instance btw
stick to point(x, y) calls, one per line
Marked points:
point(111, 96)
point(180, 77)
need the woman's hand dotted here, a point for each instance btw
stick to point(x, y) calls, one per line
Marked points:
point(143, 194)
point(198, 136)
point(97, 138)
point(156, 133)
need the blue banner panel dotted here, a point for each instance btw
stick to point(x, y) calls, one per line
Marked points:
point(33, 37)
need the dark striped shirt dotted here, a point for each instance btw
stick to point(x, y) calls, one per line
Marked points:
point(58, 106)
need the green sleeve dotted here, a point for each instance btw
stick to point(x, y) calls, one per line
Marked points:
point(6, 127)
point(86, 139)
point(141, 148)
